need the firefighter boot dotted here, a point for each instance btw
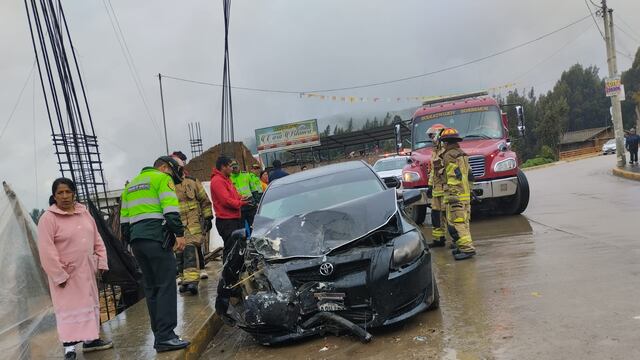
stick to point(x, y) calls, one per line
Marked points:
point(460, 255)
point(183, 288)
point(437, 243)
point(193, 288)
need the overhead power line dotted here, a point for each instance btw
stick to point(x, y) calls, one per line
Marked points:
point(627, 25)
point(632, 37)
point(15, 106)
point(441, 70)
point(133, 70)
point(594, 18)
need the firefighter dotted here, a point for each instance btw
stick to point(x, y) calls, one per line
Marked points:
point(436, 187)
point(247, 189)
point(197, 218)
point(457, 193)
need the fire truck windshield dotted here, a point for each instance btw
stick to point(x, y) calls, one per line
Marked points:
point(483, 122)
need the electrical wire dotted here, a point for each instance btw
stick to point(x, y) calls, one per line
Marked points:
point(133, 70)
point(441, 70)
point(15, 106)
point(632, 37)
point(627, 25)
point(594, 18)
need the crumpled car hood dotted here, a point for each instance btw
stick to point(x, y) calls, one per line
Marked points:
point(318, 232)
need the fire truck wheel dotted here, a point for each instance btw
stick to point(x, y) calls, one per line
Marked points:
point(518, 203)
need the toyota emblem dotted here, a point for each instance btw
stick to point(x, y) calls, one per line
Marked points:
point(326, 269)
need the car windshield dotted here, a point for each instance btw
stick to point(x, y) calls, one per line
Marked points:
point(611, 142)
point(390, 164)
point(318, 193)
point(483, 122)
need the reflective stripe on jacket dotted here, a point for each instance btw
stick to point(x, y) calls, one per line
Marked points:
point(195, 205)
point(456, 168)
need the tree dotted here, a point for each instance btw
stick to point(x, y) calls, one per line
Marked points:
point(335, 130)
point(631, 106)
point(36, 214)
point(387, 120)
point(350, 125)
point(584, 93)
point(554, 113)
point(327, 131)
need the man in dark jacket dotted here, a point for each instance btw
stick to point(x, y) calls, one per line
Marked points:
point(277, 171)
point(226, 205)
point(632, 146)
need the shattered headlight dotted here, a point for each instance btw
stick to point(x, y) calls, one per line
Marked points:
point(505, 165)
point(407, 248)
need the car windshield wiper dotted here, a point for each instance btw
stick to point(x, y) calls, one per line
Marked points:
point(479, 136)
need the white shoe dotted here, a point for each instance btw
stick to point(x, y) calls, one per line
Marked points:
point(204, 275)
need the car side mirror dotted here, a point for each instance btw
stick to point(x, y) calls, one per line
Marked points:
point(521, 122)
point(411, 196)
point(392, 182)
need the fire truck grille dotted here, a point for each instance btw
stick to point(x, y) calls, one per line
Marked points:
point(477, 165)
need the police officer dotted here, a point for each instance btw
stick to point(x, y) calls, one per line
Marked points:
point(197, 217)
point(436, 187)
point(457, 193)
point(150, 220)
point(248, 189)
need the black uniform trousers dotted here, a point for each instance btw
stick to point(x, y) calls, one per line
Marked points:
point(158, 267)
point(634, 154)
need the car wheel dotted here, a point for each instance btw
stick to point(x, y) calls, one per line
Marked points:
point(419, 213)
point(435, 304)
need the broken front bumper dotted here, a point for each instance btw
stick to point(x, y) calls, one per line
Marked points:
point(373, 295)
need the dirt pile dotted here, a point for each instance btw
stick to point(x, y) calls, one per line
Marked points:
point(200, 167)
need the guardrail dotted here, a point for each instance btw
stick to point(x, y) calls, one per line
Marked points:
point(578, 152)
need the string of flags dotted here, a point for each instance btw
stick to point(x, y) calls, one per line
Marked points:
point(364, 99)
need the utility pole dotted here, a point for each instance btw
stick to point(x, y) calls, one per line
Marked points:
point(164, 119)
point(610, 40)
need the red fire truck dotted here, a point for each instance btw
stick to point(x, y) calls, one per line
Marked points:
point(499, 186)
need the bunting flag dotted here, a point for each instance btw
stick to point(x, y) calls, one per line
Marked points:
point(360, 99)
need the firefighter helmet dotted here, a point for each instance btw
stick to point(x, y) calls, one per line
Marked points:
point(434, 130)
point(450, 135)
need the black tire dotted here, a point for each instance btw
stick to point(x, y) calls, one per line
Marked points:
point(436, 297)
point(419, 213)
point(517, 204)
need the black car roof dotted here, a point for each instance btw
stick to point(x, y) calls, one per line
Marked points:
point(319, 172)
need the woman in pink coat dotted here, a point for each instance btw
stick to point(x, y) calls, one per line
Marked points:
point(72, 252)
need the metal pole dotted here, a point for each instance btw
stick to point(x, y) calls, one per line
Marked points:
point(164, 119)
point(618, 128)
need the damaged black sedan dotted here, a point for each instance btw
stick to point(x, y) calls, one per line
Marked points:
point(332, 251)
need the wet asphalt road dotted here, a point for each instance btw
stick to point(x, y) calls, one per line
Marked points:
point(560, 282)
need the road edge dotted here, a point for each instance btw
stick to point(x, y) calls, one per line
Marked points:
point(626, 174)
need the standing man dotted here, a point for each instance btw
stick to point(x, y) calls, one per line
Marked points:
point(197, 217)
point(457, 193)
point(150, 220)
point(632, 146)
point(204, 247)
point(248, 188)
point(277, 171)
point(226, 205)
point(435, 192)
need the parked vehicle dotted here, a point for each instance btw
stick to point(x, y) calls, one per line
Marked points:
point(609, 147)
point(500, 186)
point(332, 250)
point(391, 166)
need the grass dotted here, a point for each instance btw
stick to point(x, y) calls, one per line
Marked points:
point(536, 161)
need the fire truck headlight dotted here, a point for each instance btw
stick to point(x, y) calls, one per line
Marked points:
point(410, 176)
point(505, 165)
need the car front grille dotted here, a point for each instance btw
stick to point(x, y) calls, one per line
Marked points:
point(477, 165)
point(312, 274)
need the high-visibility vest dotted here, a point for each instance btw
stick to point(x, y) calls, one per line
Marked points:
point(242, 182)
point(150, 195)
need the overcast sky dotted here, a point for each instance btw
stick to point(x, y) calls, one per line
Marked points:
point(282, 44)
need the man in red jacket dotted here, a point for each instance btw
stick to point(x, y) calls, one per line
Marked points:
point(226, 205)
point(226, 202)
